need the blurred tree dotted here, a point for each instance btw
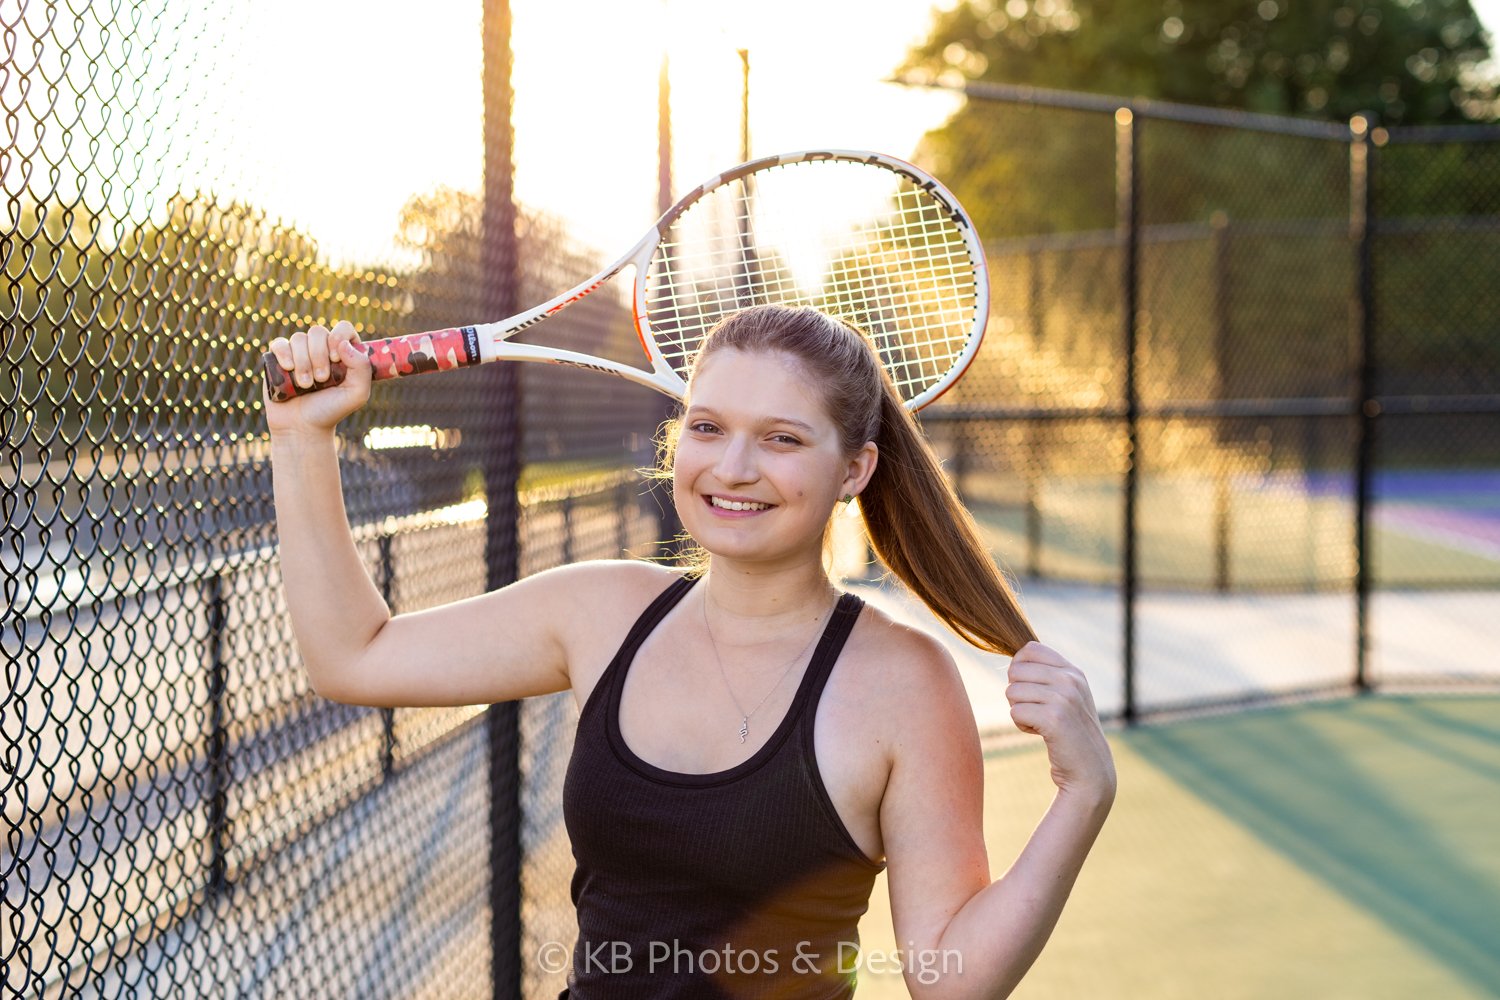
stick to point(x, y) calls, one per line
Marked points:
point(1269, 210)
point(136, 331)
point(203, 290)
point(1409, 61)
point(441, 230)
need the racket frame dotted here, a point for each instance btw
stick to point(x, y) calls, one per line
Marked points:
point(494, 339)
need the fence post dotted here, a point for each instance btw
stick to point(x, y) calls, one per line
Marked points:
point(623, 507)
point(669, 526)
point(218, 737)
point(387, 715)
point(1033, 506)
point(1033, 509)
point(502, 474)
point(1367, 407)
point(1223, 327)
point(1127, 209)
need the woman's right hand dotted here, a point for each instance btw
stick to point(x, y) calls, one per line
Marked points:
point(308, 357)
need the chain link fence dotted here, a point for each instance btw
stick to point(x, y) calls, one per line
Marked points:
point(183, 816)
point(1242, 376)
point(1263, 379)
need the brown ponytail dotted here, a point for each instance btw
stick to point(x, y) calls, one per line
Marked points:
point(920, 529)
point(916, 523)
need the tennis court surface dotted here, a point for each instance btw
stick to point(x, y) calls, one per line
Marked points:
point(1338, 849)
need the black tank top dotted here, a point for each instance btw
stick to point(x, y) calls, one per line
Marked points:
point(737, 883)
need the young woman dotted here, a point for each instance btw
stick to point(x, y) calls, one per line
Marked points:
point(753, 746)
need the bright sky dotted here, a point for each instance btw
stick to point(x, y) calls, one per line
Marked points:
point(374, 113)
point(1489, 15)
point(332, 113)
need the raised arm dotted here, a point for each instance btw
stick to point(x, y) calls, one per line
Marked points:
point(495, 647)
point(965, 935)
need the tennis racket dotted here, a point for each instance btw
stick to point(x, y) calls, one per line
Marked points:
point(858, 235)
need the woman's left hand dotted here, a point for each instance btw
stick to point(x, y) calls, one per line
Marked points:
point(1050, 697)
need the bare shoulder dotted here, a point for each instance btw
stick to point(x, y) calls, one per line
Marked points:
point(599, 577)
point(531, 637)
point(905, 660)
point(916, 691)
point(604, 599)
point(601, 594)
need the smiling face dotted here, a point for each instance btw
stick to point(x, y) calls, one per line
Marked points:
point(759, 465)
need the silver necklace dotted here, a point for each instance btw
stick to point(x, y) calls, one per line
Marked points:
point(713, 643)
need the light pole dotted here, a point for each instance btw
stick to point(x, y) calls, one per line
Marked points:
point(744, 104)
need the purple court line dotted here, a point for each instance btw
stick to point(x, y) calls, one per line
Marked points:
point(1466, 531)
point(1409, 484)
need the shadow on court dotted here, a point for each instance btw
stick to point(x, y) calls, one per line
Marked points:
point(1391, 802)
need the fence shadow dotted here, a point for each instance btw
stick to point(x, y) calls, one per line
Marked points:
point(1390, 802)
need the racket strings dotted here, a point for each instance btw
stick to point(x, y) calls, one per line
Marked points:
point(905, 276)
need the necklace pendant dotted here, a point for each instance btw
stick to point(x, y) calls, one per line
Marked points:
point(744, 728)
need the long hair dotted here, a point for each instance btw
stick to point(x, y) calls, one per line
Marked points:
point(916, 523)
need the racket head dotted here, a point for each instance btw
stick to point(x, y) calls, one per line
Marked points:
point(862, 236)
